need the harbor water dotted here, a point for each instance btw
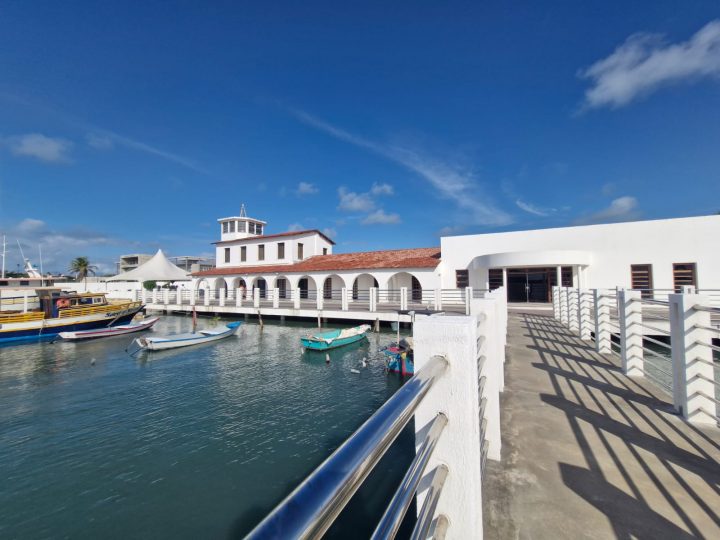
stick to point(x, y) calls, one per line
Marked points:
point(191, 443)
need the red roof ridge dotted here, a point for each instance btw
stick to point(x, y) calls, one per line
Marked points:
point(287, 233)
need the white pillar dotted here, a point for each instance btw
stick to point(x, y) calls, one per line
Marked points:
point(344, 299)
point(455, 393)
point(438, 299)
point(693, 389)
point(154, 296)
point(373, 299)
point(221, 300)
point(403, 298)
point(504, 278)
point(238, 297)
point(559, 276)
point(556, 302)
point(178, 296)
point(319, 299)
point(276, 298)
point(564, 305)
point(256, 297)
point(295, 294)
point(585, 299)
point(631, 334)
point(603, 334)
point(206, 297)
point(25, 302)
point(468, 299)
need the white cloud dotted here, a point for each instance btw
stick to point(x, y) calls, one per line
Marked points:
point(450, 180)
point(382, 189)
point(330, 232)
point(645, 63)
point(354, 202)
point(30, 225)
point(50, 149)
point(620, 209)
point(305, 188)
point(99, 142)
point(295, 227)
point(532, 209)
point(379, 217)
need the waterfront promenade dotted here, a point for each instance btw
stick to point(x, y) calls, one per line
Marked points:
point(589, 452)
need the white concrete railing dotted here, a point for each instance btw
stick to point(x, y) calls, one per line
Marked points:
point(454, 397)
point(672, 342)
point(372, 300)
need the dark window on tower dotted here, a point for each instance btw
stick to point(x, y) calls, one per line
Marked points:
point(251, 227)
point(324, 251)
point(243, 253)
point(462, 279)
point(225, 226)
point(300, 251)
point(261, 252)
point(684, 274)
point(241, 226)
point(641, 279)
point(281, 250)
point(227, 255)
point(495, 278)
point(232, 226)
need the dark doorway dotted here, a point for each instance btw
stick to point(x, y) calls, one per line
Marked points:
point(262, 285)
point(303, 286)
point(532, 284)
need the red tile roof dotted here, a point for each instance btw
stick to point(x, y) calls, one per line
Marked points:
point(278, 235)
point(367, 260)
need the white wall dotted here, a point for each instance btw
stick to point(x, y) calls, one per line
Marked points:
point(610, 250)
point(313, 244)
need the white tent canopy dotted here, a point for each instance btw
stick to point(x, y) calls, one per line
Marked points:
point(159, 268)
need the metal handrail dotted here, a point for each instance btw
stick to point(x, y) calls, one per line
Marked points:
point(427, 512)
point(313, 506)
point(396, 510)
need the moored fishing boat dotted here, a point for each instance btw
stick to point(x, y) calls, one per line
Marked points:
point(118, 330)
point(322, 341)
point(399, 357)
point(64, 312)
point(175, 341)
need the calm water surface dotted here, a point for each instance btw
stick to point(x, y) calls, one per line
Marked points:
point(193, 443)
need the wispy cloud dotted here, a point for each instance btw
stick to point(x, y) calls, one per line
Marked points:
point(451, 181)
point(533, 209)
point(330, 232)
point(379, 217)
point(354, 202)
point(295, 227)
point(621, 209)
point(99, 142)
point(382, 189)
point(60, 246)
point(305, 188)
point(42, 147)
point(645, 62)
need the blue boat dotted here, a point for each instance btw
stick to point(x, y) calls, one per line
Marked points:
point(332, 339)
point(399, 357)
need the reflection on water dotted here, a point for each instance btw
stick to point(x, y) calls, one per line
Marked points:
point(190, 443)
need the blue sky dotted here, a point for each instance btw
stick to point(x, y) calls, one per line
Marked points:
point(124, 128)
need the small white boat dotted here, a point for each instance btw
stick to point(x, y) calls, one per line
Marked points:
point(110, 331)
point(186, 340)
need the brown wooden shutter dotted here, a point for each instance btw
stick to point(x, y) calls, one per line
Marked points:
point(684, 274)
point(641, 279)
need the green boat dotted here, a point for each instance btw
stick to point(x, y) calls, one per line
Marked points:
point(323, 341)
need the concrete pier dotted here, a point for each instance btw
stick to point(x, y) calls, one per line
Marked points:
point(589, 452)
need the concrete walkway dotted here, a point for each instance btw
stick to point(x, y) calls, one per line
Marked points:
point(591, 453)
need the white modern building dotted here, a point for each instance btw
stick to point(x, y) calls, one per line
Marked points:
point(658, 254)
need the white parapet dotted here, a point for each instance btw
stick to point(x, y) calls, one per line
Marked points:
point(573, 311)
point(344, 304)
point(438, 299)
point(276, 298)
point(238, 297)
point(556, 302)
point(295, 294)
point(221, 297)
point(256, 297)
point(469, 344)
point(373, 299)
point(693, 372)
point(631, 334)
point(403, 298)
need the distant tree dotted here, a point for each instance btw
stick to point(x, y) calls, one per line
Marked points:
point(149, 285)
point(81, 267)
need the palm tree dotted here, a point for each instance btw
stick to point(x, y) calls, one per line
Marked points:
point(81, 267)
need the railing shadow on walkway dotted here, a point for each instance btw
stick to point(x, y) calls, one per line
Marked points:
point(630, 438)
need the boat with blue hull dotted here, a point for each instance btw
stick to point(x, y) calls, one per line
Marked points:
point(332, 339)
point(63, 312)
point(399, 357)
